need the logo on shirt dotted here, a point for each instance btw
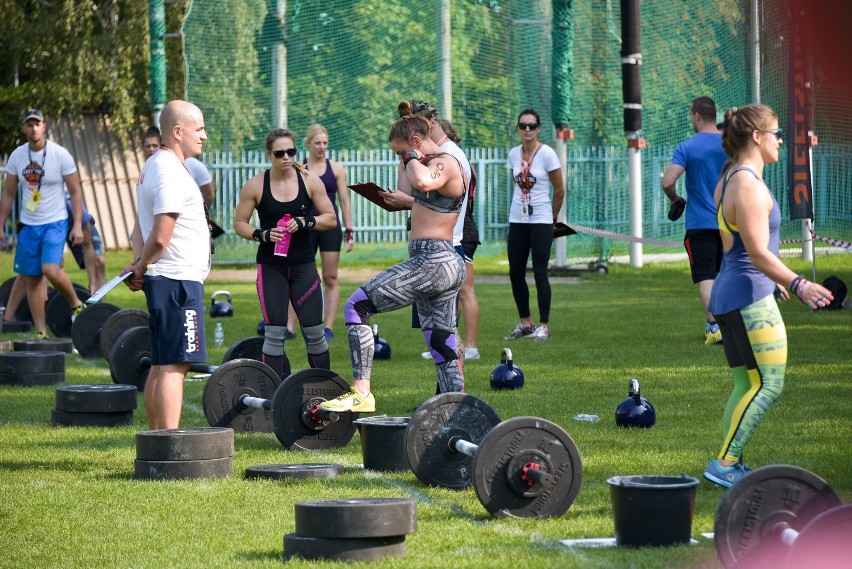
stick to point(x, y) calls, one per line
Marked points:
point(191, 324)
point(33, 173)
point(527, 182)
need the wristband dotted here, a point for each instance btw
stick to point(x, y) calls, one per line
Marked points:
point(349, 235)
point(256, 235)
point(794, 284)
point(299, 224)
point(267, 234)
point(310, 221)
point(408, 156)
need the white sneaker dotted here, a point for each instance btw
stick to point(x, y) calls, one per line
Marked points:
point(471, 354)
point(541, 333)
point(426, 355)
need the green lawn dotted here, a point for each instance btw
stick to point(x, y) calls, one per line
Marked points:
point(69, 498)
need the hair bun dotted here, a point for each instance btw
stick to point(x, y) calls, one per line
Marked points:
point(404, 109)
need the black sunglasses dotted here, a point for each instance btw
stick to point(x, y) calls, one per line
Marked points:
point(527, 126)
point(279, 154)
point(778, 132)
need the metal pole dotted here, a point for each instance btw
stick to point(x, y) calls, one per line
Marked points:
point(445, 81)
point(279, 70)
point(634, 176)
point(754, 50)
point(157, 69)
point(561, 244)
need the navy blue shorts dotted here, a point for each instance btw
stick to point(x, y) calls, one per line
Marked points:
point(176, 319)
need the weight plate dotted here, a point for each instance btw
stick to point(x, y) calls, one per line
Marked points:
point(32, 379)
point(764, 497)
point(116, 324)
point(291, 406)
point(231, 381)
point(509, 448)
point(182, 469)
point(32, 362)
point(16, 326)
point(348, 518)
point(434, 423)
point(44, 345)
point(72, 419)
point(86, 328)
point(285, 471)
point(185, 444)
point(824, 542)
point(57, 312)
point(96, 398)
point(130, 357)
point(342, 549)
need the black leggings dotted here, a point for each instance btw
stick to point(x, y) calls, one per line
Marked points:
point(526, 238)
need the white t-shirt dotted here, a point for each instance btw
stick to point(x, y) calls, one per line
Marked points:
point(544, 162)
point(198, 171)
point(165, 186)
point(453, 149)
point(33, 168)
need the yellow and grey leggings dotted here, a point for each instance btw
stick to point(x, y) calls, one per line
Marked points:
point(755, 343)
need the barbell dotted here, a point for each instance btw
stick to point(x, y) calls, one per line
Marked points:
point(522, 467)
point(783, 516)
point(248, 396)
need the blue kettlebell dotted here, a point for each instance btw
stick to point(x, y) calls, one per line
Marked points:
point(381, 348)
point(507, 375)
point(635, 411)
point(221, 308)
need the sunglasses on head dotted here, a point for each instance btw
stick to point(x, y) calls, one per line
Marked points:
point(527, 126)
point(776, 131)
point(279, 154)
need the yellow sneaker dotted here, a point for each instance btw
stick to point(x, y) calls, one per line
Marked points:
point(351, 401)
point(75, 312)
point(712, 334)
point(40, 336)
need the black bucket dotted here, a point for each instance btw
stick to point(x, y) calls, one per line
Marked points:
point(652, 510)
point(383, 443)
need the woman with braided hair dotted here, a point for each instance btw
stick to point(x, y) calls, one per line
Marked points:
point(742, 298)
point(433, 273)
point(287, 188)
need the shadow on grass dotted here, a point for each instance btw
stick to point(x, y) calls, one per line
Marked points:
point(271, 555)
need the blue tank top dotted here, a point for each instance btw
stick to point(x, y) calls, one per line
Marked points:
point(269, 211)
point(739, 283)
point(330, 183)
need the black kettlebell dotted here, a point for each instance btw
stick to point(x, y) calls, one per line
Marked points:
point(635, 411)
point(506, 375)
point(381, 348)
point(221, 308)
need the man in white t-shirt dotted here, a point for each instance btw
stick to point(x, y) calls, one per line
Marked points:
point(44, 171)
point(171, 240)
point(151, 142)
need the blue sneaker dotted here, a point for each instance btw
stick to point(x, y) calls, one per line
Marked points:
point(725, 476)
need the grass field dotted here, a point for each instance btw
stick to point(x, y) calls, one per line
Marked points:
point(69, 498)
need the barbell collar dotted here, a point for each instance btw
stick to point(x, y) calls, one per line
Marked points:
point(458, 444)
point(538, 476)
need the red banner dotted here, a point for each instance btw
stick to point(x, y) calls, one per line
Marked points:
point(798, 139)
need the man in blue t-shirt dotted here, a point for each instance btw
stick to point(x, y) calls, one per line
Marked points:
point(702, 158)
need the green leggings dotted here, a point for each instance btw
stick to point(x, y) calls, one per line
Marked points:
point(755, 343)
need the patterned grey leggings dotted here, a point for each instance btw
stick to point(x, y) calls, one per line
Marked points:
point(430, 279)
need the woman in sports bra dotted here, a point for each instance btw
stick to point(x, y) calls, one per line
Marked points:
point(743, 298)
point(433, 273)
point(286, 188)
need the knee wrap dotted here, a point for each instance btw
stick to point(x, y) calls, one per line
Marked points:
point(358, 308)
point(442, 345)
point(315, 339)
point(273, 343)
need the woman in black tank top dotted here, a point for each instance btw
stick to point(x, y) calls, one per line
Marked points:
point(286, 190)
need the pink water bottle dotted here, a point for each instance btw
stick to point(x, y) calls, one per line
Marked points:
point(283, 246)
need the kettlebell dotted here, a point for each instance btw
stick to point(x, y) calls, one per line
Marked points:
point(506, 375)
point(382, 350)
point(221, 308)
point(635, 411)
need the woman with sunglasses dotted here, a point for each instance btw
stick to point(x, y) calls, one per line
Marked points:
point(283, 196)
point(535, 167)
point(742, 298)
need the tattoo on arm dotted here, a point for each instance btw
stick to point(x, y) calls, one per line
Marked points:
point(436, 173)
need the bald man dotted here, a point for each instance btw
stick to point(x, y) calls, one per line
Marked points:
point(171, 240)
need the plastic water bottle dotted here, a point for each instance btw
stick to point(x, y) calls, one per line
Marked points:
point(283, 247)
point(587, 418)
point(219, 335)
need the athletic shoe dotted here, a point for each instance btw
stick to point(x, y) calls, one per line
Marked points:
point(712, 334)
point(40, 336)
point(351, 401)
point(75, 312)
point(471, 354)
point(426, 355)
point(288, 335)
point(725, 476)
point(521, 331)
point(541, 333)
point(329, 335)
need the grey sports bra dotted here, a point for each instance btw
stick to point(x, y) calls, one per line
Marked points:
point(439, 202)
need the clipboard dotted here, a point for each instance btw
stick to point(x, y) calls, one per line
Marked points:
point(215, 230)
point(373, 192)
point(102, 292)
point(562, 230)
